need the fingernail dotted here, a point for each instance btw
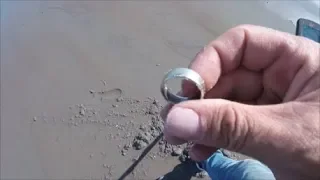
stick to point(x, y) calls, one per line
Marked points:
point(183, 123)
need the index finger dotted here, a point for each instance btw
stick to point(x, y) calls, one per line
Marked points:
point(252, 47)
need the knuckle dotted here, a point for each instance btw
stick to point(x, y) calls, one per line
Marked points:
point(241, 27)
point(233, 128)
point(228, 125)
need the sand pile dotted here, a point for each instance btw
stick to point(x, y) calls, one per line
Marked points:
point(130, 124)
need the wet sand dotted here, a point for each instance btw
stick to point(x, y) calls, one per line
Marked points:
point(64, 66)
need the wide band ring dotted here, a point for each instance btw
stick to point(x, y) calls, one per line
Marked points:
point(182, 73)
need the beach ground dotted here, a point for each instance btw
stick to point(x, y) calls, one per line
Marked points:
point(80, 81)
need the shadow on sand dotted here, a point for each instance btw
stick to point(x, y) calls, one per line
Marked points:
point(183, 171)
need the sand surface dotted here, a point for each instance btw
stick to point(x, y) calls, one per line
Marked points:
point(80, 81)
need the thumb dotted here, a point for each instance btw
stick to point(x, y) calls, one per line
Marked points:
point(221, 123)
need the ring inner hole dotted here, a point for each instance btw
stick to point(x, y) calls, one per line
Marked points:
point(183, 88)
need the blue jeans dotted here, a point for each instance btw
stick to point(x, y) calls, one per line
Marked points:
point(220, 167)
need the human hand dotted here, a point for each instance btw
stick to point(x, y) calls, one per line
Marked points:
point(262, 100)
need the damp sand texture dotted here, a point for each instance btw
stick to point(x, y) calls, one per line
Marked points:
point(76, 77)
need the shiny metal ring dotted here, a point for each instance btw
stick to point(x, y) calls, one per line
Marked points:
point(183, 73)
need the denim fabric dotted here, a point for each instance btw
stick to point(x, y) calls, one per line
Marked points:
point(220, 167)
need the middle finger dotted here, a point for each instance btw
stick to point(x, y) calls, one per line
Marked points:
point(238, 85)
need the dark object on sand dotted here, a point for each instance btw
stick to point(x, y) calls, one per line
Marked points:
point(309, 29)
point(143, 154)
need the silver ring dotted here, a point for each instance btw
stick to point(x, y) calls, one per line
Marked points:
point(183, 73)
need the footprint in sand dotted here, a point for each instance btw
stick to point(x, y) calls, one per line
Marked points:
point(105, 95)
